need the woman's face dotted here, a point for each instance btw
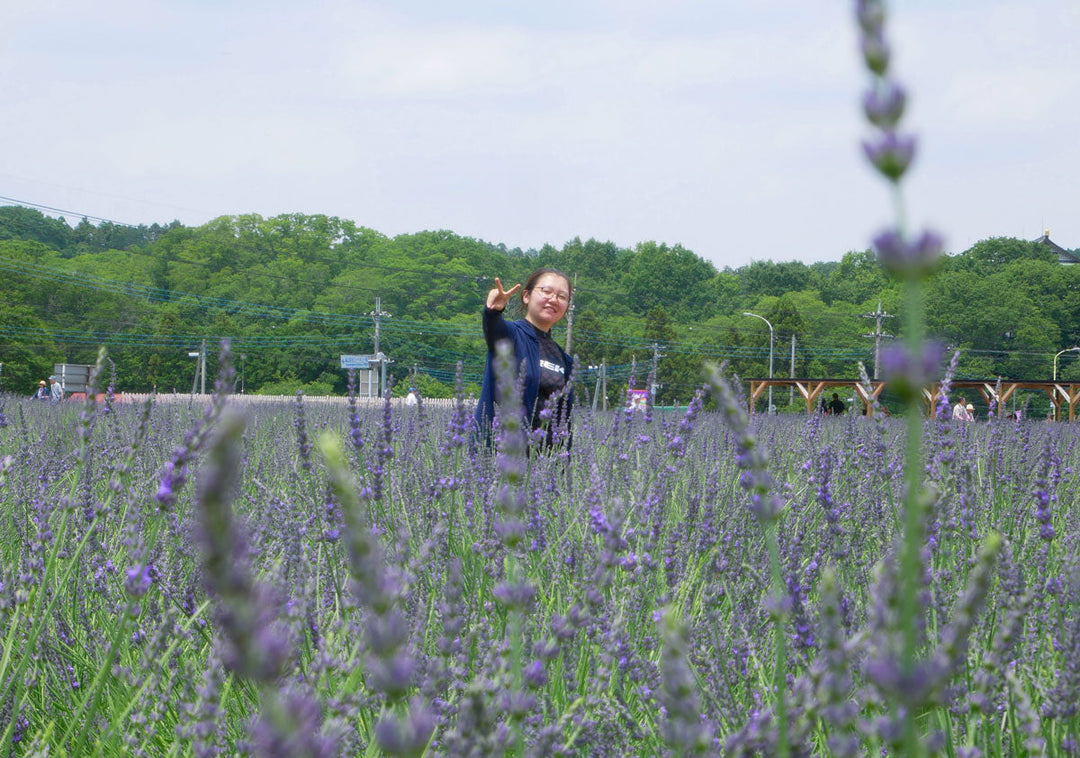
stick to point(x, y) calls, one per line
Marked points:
point(547, 301)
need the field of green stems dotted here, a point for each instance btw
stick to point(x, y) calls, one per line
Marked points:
point(317, 580)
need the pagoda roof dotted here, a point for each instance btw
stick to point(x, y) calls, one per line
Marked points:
point(1064, 256)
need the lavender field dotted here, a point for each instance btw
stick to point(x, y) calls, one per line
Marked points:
point(297, 579)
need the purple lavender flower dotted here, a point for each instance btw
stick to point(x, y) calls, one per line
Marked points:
point(750, 457)
point(138, 579)
point(890, 153)
point(916, 257)
point(457, 431)
point(245, 610)
point(293, 730)
point(908, 374)
point(1044, 494)
point(355, 434)
point(871, 15)
point(390, 664)
point(406, 737)
point(173, 474)
point(884, 106)
point(300, 423)
point(875, 51)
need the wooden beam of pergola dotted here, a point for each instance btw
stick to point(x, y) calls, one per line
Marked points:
point(811, 389)
point(994, 394)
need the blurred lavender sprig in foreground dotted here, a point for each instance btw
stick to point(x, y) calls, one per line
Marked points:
point(905, 679)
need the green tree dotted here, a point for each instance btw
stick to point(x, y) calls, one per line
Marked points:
point(761, 278)
point(26, 351)
point(18, 223)
point(858, 279)
point(989, 255)
point(674, 278)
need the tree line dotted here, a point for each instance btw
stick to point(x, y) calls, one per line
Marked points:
point(294, 292)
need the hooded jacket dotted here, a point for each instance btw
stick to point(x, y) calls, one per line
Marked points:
point(526, 351)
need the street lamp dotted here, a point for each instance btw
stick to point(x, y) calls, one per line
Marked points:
point(198, 365)
point(1066, 350)
point(748, 313)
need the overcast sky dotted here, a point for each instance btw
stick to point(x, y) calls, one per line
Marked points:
point(731, 127)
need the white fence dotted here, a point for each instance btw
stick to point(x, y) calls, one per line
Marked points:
point(366, 402)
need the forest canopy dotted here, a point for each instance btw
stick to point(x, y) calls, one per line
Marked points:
point(294, 292)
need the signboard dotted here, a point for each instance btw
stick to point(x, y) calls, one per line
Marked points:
point(73, 377)
point(355, 361)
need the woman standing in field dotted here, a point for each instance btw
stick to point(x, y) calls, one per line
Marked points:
point(545, 366)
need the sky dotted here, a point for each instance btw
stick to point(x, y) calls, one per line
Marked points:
point(730, 127)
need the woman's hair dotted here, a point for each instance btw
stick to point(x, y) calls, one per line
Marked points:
point(534, 277)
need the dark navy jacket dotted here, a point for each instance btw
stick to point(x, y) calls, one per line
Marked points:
point(526, 349)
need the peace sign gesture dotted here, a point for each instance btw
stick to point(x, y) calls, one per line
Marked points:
point(498, 297)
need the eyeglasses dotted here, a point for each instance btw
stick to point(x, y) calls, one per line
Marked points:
point(551, 292)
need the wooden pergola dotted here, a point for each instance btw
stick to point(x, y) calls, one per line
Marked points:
point(1060, 393)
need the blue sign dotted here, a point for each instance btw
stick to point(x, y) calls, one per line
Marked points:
point(355, 361)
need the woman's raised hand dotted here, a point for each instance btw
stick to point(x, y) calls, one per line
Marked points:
point(498, 297)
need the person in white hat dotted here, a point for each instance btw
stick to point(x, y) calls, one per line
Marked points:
point(56, 392)
point(960, 412)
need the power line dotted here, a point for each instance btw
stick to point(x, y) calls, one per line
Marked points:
point(51, 209)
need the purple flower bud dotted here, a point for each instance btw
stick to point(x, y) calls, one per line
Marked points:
point(908, 375)
point(891, 154)
point(534, 675)
point(394, 676)
point(519, 596)
point(405, 737)
point(138, 580)
point(295, 730)
point(884, 105)
point(165, 494)
point(386, 633)
point(871, 15)
point(909, 258)
point(875, 52)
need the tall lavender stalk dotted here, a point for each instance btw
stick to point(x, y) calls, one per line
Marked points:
point(516, 593)
point(752, 460)
point(911, 258)
point(402, 730)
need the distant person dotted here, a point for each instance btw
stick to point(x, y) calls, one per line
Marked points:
point(960, 410)
point(970, 412)
point(836, 406)
point(42, 391)
point(545, 299)
point(56, 392)
point(411, 399)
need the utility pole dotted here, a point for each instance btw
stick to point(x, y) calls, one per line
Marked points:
point(570, 316)
point(601, 385)
point(596, 390)
point(377, 314)
point(656, 356)
point(603, 382)
point(202, 367)
point(791, 389)
point(877, 334)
